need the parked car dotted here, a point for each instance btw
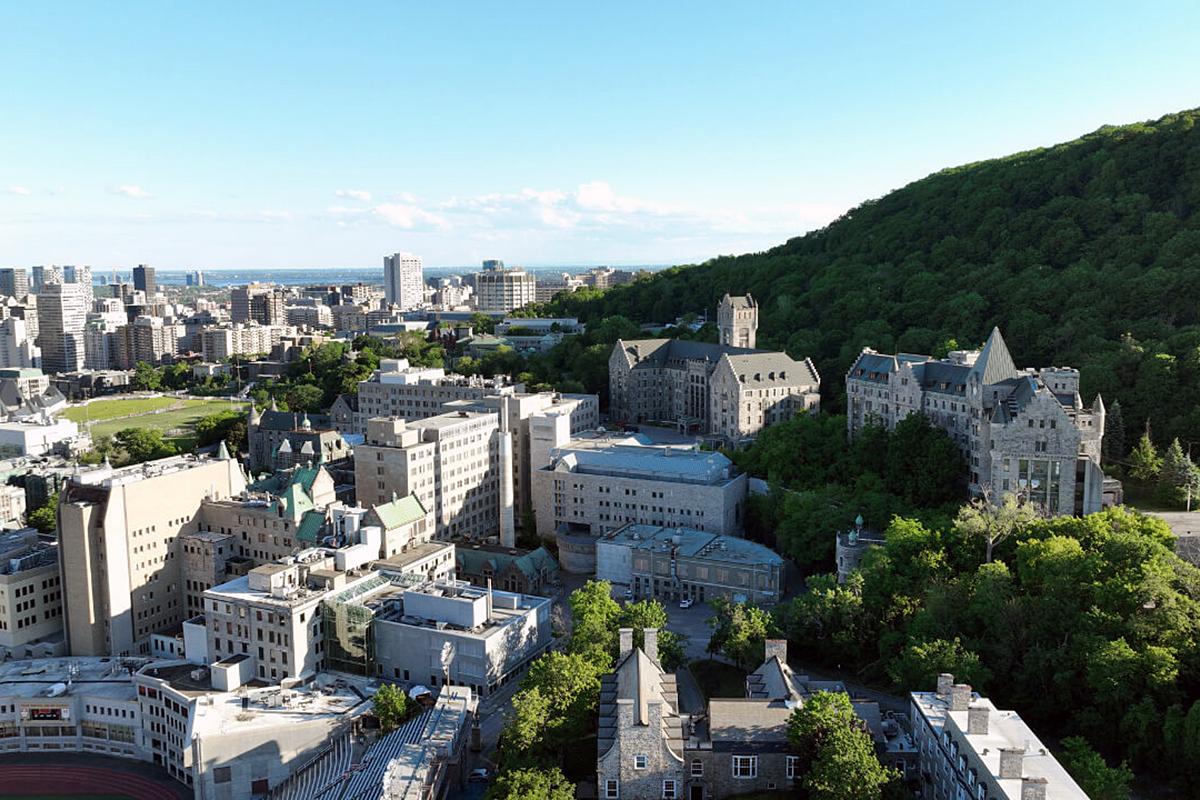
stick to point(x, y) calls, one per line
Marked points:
point(629, 593)
point(480, 775)
point(685, 602)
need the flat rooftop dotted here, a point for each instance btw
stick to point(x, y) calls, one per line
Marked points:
point(417, 552)
point(96, 677)
point(692, 543)
point(670, 463)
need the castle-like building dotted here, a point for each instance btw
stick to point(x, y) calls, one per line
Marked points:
point(1022, 431)
point(728, 389)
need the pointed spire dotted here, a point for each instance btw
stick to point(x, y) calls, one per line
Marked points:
point(995, 363)
point(255, 417)
point(274, 405)
point(222, 451)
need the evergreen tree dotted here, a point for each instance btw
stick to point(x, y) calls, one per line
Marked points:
point(1144, 461)
point(1178, 476)
point(1113, 446)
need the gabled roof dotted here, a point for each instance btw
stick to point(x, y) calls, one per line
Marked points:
point(639, 679)
point(311, 526)
point(656, 353)
point(399, 512)
point(766, 369)
point(995, 363)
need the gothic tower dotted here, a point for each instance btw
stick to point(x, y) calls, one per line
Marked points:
point(737, 319)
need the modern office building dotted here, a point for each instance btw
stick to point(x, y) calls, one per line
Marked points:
point(14, 282)
point(62, 315)
point(677, 563)
point(723, 389)
point(593, 486)
point(143, 280)
point(458, 465)
point(18, 347)
point(1024, 432)
point(119, 550)
point(403, 284)
point(503, 289)
point(968, 748)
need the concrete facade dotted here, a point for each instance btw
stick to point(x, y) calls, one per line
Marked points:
point(31, 606)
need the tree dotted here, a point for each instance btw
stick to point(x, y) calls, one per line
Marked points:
point(1178, 479)
point(1144, 461)
point(571, 682)
point(1093, 774)
point(651, 614)
point(532, 784)
point(1113, 445)
point(594, 616)
point(983, 519)
point(836, 752)
point(45, 517)
point(391, 706)
point(739, 632)
point(920, 663)
point(143, 444)
point(146, 378)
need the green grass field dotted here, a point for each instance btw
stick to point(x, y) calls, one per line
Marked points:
point(171, 415)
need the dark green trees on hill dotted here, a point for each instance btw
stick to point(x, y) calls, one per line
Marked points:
point(1086, 253)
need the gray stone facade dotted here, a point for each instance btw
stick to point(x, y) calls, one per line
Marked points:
point(1025, 432)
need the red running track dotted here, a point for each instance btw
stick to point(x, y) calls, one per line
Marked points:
point(64, 780)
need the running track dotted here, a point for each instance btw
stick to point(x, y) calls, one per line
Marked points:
point(61, 779)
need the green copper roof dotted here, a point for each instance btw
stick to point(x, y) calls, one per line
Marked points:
point(278, 482)
point(401, 511)
point(309, 529)
point(295, 501)
point(472, 561)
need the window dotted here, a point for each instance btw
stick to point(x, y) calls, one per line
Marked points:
point(697, 768)
point(222, 774)
point(612, 790)
point(793, 766)
point(669, 790)
point(745, 766)
point(639, 762)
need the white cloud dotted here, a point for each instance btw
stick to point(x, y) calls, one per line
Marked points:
point(132, 190)
point(410, 217)
point(354, 194)
point(21, 190)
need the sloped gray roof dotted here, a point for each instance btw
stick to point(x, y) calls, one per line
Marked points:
point(995, 363)
point(765, 369)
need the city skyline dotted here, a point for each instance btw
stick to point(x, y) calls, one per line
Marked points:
point(255, 139)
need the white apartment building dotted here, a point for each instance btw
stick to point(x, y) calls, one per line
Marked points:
point(403, 285)
point(504, 289)
point(241, 339)
point(31, 618)
point(17, 345)
point(398, 389)
point(12, 507)
point(970, 750)
point(596, 485)
point(62, 314)
point(459, 466)
point(119, 550)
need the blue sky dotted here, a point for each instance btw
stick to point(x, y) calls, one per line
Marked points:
point(326, 134)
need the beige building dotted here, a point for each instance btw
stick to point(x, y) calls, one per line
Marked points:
point(596, 485)
point(968, 748)
point(504, 289)
point(1024, 432)
point(119, 548)
point(240, 339)
point(400, 390)
point(458, 465)
point(31, 617)
point(726, 390)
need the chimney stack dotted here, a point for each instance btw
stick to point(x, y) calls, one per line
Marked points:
point(626, 638)
point(1033, 789)
point(775, 648)
point(960, 697)
point(944, 682)
point(650, 644)
point(1011, 762)
point(977, 720)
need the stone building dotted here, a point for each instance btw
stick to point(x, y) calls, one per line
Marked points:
point(283, 439)
point(640, 747)
point(674, 563)
point(737, 321)
point(1020, 431)
point(970, 749)
point(596, 485)
point(521, 571)
point(722, 389)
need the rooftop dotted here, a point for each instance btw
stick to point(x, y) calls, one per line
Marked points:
point(106, 677)
point(649, 462)
point(691, 543)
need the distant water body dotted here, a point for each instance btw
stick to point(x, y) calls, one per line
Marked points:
point(338, 276)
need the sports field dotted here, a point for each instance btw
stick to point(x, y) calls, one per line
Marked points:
point(174, 416)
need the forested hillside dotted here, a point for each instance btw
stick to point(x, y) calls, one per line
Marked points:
point(1086, 253)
